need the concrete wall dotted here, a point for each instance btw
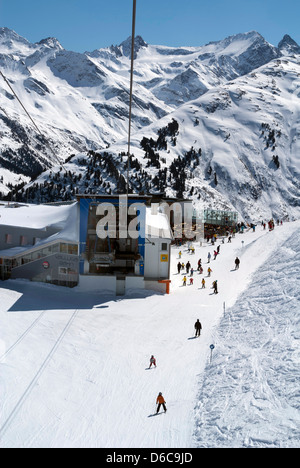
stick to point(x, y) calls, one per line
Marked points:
point(110, 284)
point(97, 283)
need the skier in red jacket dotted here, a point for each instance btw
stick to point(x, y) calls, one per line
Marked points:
point(152, 361)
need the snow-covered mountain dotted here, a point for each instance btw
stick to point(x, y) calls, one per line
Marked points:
point(235, 103)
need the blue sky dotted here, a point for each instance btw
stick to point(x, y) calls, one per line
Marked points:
point(91, 24)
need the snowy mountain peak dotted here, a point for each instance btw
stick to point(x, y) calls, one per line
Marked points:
point(7, 34)
point(288, 46)
point(125, 46)
point(11, 42)
point(50, 42)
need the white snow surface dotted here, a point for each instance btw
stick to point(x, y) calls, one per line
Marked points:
point(74, 367)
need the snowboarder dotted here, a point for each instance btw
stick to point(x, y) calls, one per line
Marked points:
point(198, 328)
point(184, 281)
point(203, 283)
point(215, 286)
point(152, 361)
point(237, 263)
point(160, 401)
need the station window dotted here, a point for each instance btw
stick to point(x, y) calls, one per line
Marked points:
point(164, 246)
point(23, 240)
point(8, 239)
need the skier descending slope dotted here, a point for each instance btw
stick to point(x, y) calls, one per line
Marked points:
point(160, 401)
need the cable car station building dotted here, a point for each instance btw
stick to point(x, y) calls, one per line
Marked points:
point(99, 243)
point(122, 244)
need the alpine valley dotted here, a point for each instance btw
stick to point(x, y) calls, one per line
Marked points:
point(219, 123)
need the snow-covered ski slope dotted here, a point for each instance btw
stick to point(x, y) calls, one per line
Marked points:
point(74, 367)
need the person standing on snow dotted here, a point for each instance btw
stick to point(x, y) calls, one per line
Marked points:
point(178, 267)
point(208, 257)
point(160, 401)
point(198, 328)
point(203, 283)
point(215, 286)
point(152, 361)
point(237, 263)
point(184, 281)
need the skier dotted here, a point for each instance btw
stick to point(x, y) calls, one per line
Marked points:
point(237, 263)
point(160, 401)
point(208, 257)
point(215, 286)
point(191, 281)
point(184, 281)
point(199, 264)
point(203, 283)
point(188, 266)
point(178, 267)
point(192, 271)
point(215, 254)
point(179, 254)
point(198, 328)
point(209, 271)
point(152, 361)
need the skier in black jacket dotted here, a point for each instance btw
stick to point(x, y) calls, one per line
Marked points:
point(198, 328)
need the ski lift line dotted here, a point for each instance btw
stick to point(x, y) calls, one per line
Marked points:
point(12, 347)
point(27, 113)
point(12, 90)
point(130, 95)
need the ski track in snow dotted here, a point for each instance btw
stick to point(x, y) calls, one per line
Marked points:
point(77, 375)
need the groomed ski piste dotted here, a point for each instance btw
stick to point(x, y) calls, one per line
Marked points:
point(74, 367)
